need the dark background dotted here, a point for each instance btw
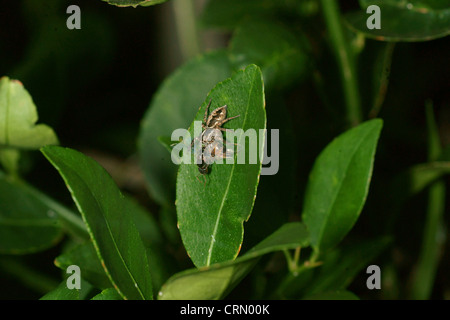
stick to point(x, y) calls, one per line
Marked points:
point(93, 86)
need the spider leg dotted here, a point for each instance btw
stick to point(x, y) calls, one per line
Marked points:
point(228, 119)
point(206, 114)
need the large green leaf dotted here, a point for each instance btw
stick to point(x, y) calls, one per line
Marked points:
point(215, 281)
point(110, 224)
point(174, 106)
point(413, 20)
point(339, 183)
point(27, 223)
point(134, 3)
point(18, 116)
point(211, 215)
point(271, 46)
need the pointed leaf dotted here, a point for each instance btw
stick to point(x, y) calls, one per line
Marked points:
point(211, 215)
point(339, 183)
point(110, 224)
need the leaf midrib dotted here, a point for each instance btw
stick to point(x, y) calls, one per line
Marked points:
point(328, 213)
point(108, 228)
point(216, 225)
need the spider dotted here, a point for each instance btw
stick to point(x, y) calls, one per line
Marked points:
point(210, 151)
point(213, 122)
point(211, 142)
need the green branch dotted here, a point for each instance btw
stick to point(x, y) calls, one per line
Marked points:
point(345, 59)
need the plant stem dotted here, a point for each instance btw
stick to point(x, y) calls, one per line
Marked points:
point(434, 235)
point(185, 22)
point(345, 60)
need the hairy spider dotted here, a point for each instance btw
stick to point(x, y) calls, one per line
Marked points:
point(211, 140)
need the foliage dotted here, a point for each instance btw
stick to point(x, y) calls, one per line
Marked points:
point(312, 71)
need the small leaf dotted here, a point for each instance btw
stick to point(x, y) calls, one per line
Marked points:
point(85, 256)
point(339, 183)
point(110, 225)
point(215, 281)
point(222, 205)
point(413, 20)
point(18, 116)
point(173, 106)
point(134, 3)
point(27, 224)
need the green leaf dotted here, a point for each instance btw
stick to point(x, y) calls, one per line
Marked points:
point(271, 46)
point(413, 20)
point(110, 225)
point(339, 183)
point(167, 143)
point(18, 116)
point(215, 281)
point(85, 256)
point(173, 106)
point(27, 224)
point(134, 3)
point(107, 294)
point(70, 220)
point(226, 200)
point(63, 293)
point(144, 222)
